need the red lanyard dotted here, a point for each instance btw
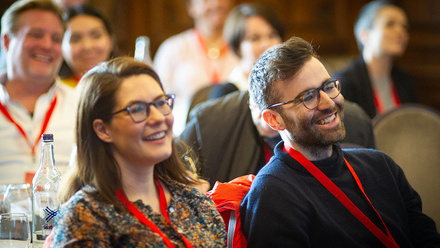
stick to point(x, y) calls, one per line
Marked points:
point(211, 54)
point(378, 102)
point(142, 218)
point(21, 130)
point(387, 239)
point(267, 153)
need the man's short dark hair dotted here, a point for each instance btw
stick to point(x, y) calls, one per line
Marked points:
point(275, 65)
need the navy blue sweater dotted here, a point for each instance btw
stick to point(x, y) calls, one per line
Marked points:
point(287, 207)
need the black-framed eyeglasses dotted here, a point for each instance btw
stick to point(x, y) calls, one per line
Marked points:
point(311, 98)
point(139, 111)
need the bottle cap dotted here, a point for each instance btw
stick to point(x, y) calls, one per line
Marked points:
point(47, 137)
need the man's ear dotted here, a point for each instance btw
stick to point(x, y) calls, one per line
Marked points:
point(5, 42)
point(273, 119)
point(102, 131)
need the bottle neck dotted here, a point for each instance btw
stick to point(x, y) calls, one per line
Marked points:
point(47, 155)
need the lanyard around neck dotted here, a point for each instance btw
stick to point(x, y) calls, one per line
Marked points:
point(386, 239)
point(144, 220)
point(21, 130)
point(211, 53)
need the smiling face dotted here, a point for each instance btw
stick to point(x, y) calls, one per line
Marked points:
point(34, 52)
point(389, 34)
point(148, 142)
point(86, 43)
point(314, 129)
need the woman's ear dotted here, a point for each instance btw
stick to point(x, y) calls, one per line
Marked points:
point(273, 119)
point(190, 9)
point(363, 36)
point(102, 131)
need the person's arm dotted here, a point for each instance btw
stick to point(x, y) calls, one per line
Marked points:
point(78, 225)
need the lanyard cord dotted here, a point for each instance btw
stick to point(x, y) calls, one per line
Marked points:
point(219, 52)
point(387, 239)
point(20, 128)
point(144, 220)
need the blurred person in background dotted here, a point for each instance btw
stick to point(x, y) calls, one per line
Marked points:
point(87, 42)
point(32, 100)
point(70, 3)
point(196, 57)
point(372, 80)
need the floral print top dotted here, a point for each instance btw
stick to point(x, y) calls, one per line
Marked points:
point(85, 221)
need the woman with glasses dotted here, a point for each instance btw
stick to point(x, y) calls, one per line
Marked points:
point(129, 188)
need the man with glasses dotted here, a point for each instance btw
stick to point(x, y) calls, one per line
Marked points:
point(312, 193)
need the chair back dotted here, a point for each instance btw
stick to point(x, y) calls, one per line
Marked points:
point(410, 135)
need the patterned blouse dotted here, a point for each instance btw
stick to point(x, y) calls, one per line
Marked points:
point(85, 221)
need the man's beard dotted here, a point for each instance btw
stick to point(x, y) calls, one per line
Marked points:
point(307, 136)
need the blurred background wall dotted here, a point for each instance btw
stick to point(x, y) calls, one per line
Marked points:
point(328, 24)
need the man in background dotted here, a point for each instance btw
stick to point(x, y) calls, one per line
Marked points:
point(32, 101)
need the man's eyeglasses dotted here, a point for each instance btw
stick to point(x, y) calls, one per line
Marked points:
point(139, 111)
point(311, 98)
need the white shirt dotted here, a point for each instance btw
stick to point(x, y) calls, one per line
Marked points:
point(15, 153)
point(184, 68)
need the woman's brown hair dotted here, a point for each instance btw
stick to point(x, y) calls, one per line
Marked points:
point(96, 165)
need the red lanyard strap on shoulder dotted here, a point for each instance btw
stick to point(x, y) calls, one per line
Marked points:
point(144, 220)
point(387, 240)
point(21, 130)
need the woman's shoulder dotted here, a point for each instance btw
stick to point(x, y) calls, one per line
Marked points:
point(187, 195)
point(86, 198)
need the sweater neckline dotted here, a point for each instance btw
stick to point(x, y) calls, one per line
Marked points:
point(331, 167)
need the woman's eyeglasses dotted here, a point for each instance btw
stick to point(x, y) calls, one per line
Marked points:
point(139, 111)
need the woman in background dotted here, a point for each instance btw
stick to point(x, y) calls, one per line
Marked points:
point(88, 40)
point(129, 186)
point(249, 30)
point(372, 80)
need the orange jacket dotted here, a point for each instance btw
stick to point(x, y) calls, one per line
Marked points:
point(227, 198)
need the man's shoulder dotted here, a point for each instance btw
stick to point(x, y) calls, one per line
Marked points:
point(367, 157)
point(274, 171)
point(232, 103)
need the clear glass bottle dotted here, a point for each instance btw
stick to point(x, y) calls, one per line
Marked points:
point(44, 193)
